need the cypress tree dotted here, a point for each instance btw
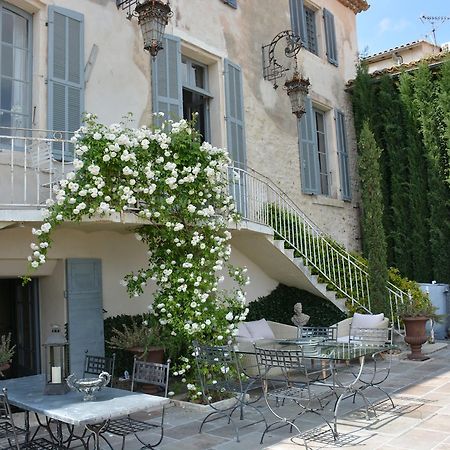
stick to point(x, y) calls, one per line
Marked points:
point(418, 237)
point(431, 127)
point(372, 217)
point(362, 97)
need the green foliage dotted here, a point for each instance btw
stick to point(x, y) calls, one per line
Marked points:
point(278, 306)
point(420, 303)
point(372, 218)
point(6, 349)
point(411, 123)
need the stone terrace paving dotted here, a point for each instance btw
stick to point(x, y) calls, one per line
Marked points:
point(420, 420)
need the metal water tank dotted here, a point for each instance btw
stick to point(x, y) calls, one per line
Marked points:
point(439, 296)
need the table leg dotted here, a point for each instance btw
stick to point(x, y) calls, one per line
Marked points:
point(96, 430)
point(27, 426)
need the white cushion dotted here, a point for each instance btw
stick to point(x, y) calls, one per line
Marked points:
point(260, 329)
point(243, 332)
point(367, 320)
point(343, 339)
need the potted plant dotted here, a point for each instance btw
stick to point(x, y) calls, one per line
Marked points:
point(140, 338)
point(415, 313)
point(6, 352)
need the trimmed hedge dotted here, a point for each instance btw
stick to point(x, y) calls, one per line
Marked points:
point(278, 306)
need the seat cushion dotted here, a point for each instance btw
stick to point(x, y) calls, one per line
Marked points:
point(367, 320)
point(260, 329)
point(243, 333)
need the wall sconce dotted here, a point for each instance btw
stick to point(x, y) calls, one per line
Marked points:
point(296, 87)
point(153, 16)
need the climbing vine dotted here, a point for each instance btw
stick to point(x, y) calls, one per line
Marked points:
point(179, 186)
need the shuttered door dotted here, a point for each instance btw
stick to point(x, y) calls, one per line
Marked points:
point(166, 80)
point(330, 37)
point(85, 311)
point(309, 161)
point(341, 138)
point(236, 132)
point(298, 20)
point(65, 73)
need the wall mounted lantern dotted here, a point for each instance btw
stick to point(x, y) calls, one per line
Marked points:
point(297, 86)
point(153, 16)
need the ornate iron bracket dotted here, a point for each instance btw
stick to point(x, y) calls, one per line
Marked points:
point(272, 69)
point(127, 5)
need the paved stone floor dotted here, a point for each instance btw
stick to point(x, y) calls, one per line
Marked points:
point(420, 419)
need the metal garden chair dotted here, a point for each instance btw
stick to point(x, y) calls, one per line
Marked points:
point(95, 365)
point(10, 432)
point(229, 378)
point(328, 333)
point(301, 386)
point(148, 373)
point(376, 373)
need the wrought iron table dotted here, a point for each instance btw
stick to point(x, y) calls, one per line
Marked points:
point(27, 393)
point(329, 352)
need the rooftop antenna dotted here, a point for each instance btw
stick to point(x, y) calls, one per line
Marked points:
point(435, 22)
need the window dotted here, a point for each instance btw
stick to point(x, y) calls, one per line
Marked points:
point(311, 35)
point(321, 151)
point(15, 70)
point(313, 151)
point(341, 137)
point(195, 94)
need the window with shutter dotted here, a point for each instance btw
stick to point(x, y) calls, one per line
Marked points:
point(298, 20)
point(311, 35)
point(65, 73)
point(341, 138)
point(330, 37)
point(15, 73)
point(166, 79)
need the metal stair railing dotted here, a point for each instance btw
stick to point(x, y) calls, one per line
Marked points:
point(259, 200)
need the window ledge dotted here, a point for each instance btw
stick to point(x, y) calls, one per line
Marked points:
point(326, 201)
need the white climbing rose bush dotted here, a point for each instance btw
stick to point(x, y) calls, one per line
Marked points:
point(179, 185)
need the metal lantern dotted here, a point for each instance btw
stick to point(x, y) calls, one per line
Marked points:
point(55, 363)
point(153, 16)
point(297, 89)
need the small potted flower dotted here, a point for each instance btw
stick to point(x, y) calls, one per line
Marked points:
point(415, 313)
point(141, 339)
point(6, 352)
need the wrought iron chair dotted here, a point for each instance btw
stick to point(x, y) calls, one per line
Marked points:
point(301, 385)
point(329, 333)
point(10, 432)
point(148, 373)
point(378, 370)
point(95, 365)
point(229, 378)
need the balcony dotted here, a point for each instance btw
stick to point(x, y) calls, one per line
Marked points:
point(31, 162)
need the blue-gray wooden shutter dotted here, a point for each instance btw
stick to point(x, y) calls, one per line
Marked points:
point(65, 72)
point(232, 3)
point(84, 310)
point(309, 159)
point(298, 20)
point(235, 113)
point(236, 132)
point(330, 37)
point(342, 150)
point(166, 80)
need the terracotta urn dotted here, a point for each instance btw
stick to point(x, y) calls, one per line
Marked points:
point(3, 367)
point(153, 354)
point(416, 336)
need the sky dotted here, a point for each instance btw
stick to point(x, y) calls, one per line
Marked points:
point(390, 23)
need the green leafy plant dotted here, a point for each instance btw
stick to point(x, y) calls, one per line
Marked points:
point(6, 349)
point(278, 306)
point(180, 187)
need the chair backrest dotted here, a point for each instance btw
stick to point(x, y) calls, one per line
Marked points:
point(95, 365)
point(223, 363)
point(370, 336)
point(329, 333)
point(7, 427)
point(151, 373)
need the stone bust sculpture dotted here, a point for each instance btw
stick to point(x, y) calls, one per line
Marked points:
point(299, 319)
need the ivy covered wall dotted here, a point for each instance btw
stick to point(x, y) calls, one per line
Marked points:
point(409, 116)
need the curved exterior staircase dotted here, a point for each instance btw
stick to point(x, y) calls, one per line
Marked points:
point(296, 252)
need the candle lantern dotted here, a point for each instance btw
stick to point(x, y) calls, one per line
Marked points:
point(55, 363)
